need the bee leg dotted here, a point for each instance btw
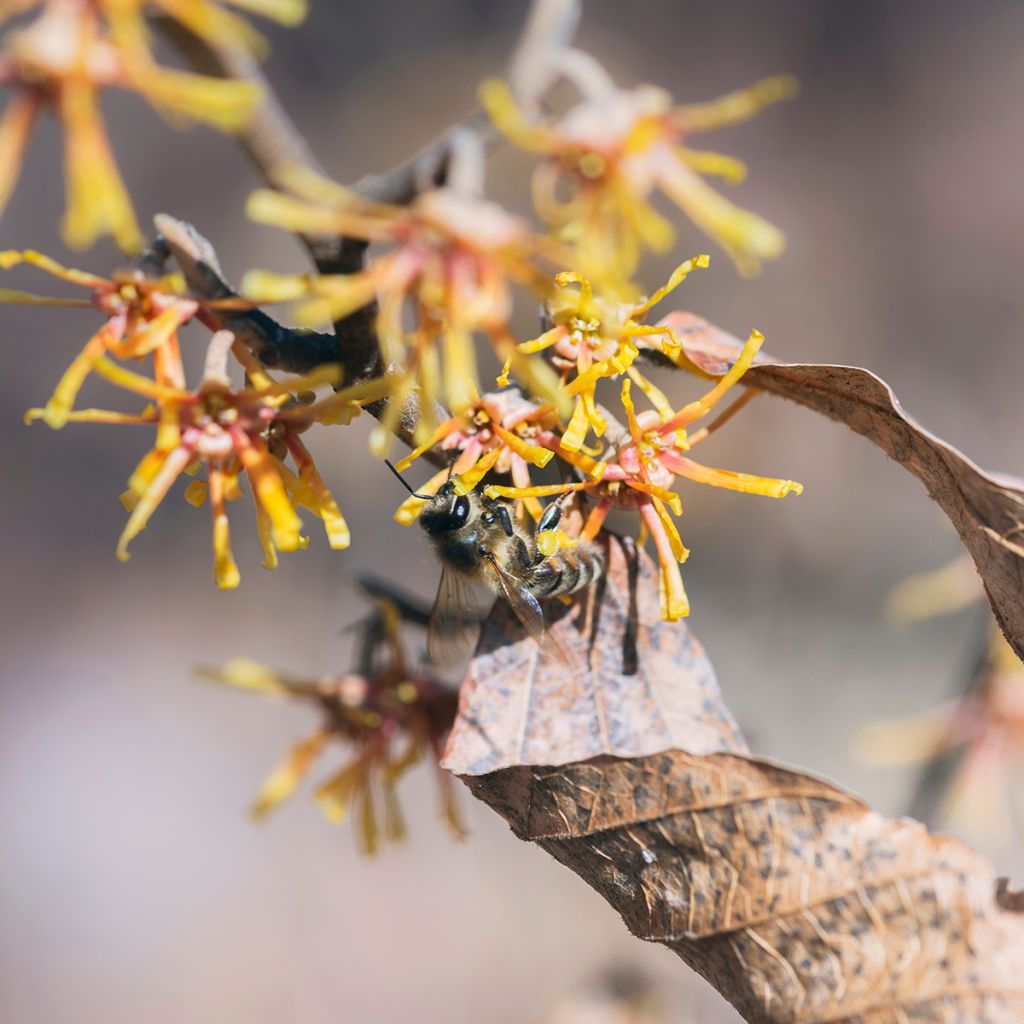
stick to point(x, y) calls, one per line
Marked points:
point(520, 557)
point(551, 517)
point(501, 511)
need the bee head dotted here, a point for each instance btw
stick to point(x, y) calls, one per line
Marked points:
point(446, 511)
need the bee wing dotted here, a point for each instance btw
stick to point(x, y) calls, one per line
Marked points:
point(528, 611)
point(454, 620)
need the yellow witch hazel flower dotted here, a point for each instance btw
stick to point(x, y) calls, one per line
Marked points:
point(143, 317)
point(67, 55)
point(983, 728)
point(595, 339)
point(639, 471)
point(390, 715)
point(214, 21)
point(451, 258)
point(502, 432)
point(250, 431)
point(603, 158)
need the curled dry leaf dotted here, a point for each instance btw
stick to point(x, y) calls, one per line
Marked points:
point(987, 509)
point(796, 901)
point(629, 683)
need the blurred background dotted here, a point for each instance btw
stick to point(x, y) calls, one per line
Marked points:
point(132, 884)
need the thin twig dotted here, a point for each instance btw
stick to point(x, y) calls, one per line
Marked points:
point(272, 141)
point(286, 348)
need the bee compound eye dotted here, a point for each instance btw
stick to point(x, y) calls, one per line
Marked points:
point(460, 510)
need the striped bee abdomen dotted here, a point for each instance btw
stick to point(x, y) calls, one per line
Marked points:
point(566, 571)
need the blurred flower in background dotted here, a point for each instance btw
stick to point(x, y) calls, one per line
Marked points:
point(602, 159)
point(973, 746)
point(71, 52)
point(389, 714)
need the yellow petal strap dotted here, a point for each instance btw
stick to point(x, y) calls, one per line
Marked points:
point(460, 378)
point(315, 188)
point(224, 103)
point(660, 494)
point(320, 500)
point(653, 230)
point(348, 398)
point(671, 593)
point(677, 277)
point(546, 340)
point(466, 482)
point(255, 373)
point(746, 483)
point(595, 520)
point(269, 489)
point(745, 236)
point(930, 594)
point(12, 257)
point(532, 453)
point(94, 416)
point(497, 99)
point(20, 298)
point(654, 394)
point(720, 165)
point(592, 467)
point(264, 286)
point(97, 200)
point(679, 551)
point(157, 332)
point(335, 296)
point(694, 410)
point(173, 465)
point(328, 373)
point(265, 532)
point(285, 779)
point(64, 395)
point(147, 468)
point(225, 570)
point(909, 740)
point(282, 211)
point(15, 127)
point(285, 12)
point(131, 381)
point(576, 432)
point(446, 429)
point(338, 792)
point(541, 491)
point(246, 674)
point(266, 206)
point(502, 379)
point(737, 106)
point(588, 380)
point(627, 404)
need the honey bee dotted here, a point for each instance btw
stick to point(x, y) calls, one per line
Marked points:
point(477, 539)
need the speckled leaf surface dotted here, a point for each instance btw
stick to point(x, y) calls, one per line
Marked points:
point(795, 900)
point(625, 683)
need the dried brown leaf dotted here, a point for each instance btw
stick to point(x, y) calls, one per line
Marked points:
point(799, 903)
point(634, 685)
point(987, 509)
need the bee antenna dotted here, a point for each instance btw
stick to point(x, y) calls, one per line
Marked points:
point(405, 483)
